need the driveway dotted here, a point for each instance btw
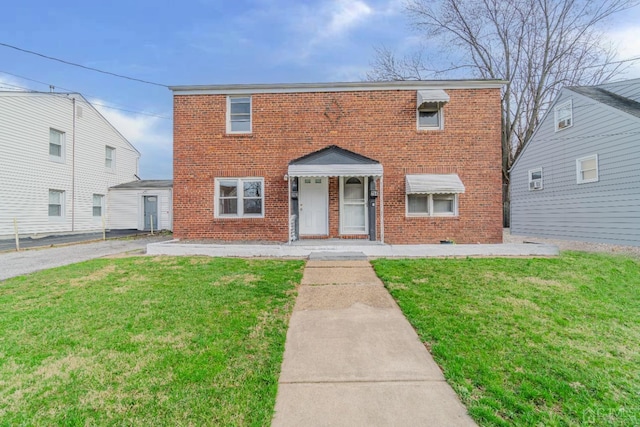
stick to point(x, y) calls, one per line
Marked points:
point(27, 261)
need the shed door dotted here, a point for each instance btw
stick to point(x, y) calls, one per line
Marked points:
point(150, 212)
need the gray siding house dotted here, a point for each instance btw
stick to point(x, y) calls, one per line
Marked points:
point(578, 178)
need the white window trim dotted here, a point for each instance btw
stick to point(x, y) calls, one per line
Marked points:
point(430, 212)
point(342, 180)
point(63, 196)
point(579, 161)
point(113, 158)
point(62, 157)
point(540, 181)
point(240, 214)
point(556, 111)
point(236, 132)
point(440, 118)
point(95, 217)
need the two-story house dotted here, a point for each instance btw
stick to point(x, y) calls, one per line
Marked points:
point(578, 177)
point(397, 162)
point(59, 157)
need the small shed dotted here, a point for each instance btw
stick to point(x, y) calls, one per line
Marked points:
point(143, 205)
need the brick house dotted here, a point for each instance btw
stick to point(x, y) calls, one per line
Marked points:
point(397, 162)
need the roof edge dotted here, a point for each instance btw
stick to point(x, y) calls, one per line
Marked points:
point(334, 87)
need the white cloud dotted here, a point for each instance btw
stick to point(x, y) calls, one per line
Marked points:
point(8, 83)
point(627, 43)
point(344, 15)
point(150, 135)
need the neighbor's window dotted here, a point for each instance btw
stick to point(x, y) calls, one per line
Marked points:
point(98, 203)
point(563, 115)
point(56, 204)
point(430, 116)
point(239, 197)
point(109, 157)
point(535, 179)
point(587, 169)
point(56, 145)
point(239, 114)
point(432, 204)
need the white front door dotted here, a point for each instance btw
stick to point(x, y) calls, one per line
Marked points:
point(314, 206)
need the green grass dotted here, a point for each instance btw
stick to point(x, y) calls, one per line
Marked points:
point(151, 341)
point(530, 342)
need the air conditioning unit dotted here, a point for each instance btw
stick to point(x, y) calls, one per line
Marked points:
point(564, 123)
point(535, 185)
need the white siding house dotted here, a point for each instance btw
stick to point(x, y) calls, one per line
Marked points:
point(59, 158)
point(578, 178)
point(141, 205)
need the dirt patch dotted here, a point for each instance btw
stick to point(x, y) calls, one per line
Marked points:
point(245, 279)
point(546, 283)
point(94, 276)
point(520, 303)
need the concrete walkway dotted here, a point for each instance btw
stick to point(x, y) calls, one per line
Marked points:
point(352, 359)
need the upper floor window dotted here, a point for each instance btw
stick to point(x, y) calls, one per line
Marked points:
point(430, 116)
point(587, 169)
point(56, 204)
point(563, 114)
point(56, 145)
point(239, 114)
point(109, 157)
point(239, 197)
point(535, 179)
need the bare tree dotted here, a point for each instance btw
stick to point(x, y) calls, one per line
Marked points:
point(537, 46)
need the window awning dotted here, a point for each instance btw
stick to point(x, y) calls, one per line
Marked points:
point(434, 184)
point(432, 95)
point(335, 170)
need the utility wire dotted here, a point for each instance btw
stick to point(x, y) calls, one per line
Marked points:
point(83, 66)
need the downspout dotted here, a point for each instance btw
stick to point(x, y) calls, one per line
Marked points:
point(381, 209)
point(73, 166)
point(289, 208)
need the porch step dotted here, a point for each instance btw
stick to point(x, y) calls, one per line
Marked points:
point(337, 256)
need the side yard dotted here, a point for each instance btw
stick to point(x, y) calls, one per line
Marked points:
point(530, 342)
point(162, 341)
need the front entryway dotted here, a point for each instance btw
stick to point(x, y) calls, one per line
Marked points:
point(150, 212)
point(353, 205)
point(314, 206)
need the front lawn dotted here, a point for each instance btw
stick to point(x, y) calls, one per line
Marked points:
point(145, 341)
point(530, 342)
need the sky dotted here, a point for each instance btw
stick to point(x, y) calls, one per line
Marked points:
point(205, 42)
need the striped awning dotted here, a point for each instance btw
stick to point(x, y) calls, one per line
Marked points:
point(429, 96)
point(335, 170)
point(434, 184)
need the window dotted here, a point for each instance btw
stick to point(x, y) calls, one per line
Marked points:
point(239, 114)
point(98, 203)
point(239, 197)
point(56, 204)
point(56, 145)
point(535, 179)
point(109, 157)
point(430, 116)
point(563, 115)
point(587, 169)
point(432, 204)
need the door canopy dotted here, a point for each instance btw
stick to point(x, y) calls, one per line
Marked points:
point(334, 161)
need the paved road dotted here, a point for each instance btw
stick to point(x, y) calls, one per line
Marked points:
point(30, 242)
point(24, 262)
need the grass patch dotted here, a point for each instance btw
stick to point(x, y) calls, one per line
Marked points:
point(154, 341)
point(530, 342)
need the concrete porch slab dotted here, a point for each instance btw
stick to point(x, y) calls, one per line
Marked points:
point(379, 250)
point(344, 264)
point(369, 404)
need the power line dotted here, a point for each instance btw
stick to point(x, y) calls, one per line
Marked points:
point(75, 91)
point(82, 66)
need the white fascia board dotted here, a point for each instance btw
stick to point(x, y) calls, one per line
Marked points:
point(334, 87)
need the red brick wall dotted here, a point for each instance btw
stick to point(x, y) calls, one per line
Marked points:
point(377, 124)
